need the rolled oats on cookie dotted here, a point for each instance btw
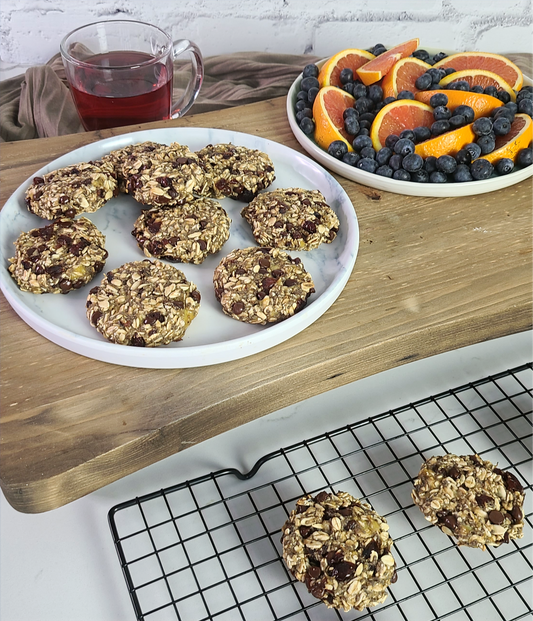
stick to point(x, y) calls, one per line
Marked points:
point(340, 548)
point(144, 304)
point(59, 257)
point(470, 499)
point(261, 285)
point(291, 218)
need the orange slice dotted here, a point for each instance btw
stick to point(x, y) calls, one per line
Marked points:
point(446, 144)
point(376, 68)
point(481, 104)
point(397, 116)
point(403, 75)
point(519, 137)
point(479, 77)
point(488, 62)
point(330, 74)
point(328, 108)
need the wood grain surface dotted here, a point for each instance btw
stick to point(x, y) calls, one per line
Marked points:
point(432, 275)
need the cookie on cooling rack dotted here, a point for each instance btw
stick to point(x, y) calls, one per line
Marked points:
point(188, 233)
point(236, 172)
point(59, 257)
point(144, 304)
point(292, 218)
point(341, 549)
point(470, 499)
point(72, 190)
point(261, 285)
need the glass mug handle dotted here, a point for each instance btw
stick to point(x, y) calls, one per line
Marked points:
point(179, 47)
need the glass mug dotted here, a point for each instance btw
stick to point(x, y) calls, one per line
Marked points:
point(120, 72)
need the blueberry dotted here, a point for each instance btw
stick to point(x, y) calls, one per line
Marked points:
point(505, 112)
point(405, 94)
point(375, 93)
point(346, 75)
point(504, 166)
point(378, 49)
point(446, 164)
point(420, 176)
point(395, 161)
point(365, 124)
point(351, 125)
point(367, 116)
point(368, 152)
point(350, 158)
point(308, 83)
point(524, 157)
point(383, 155)
point(420, 54)
point(350, 112)
point(401, 175)
point(440, 56)
point(526, 106)
point(404, 146)
point(461, 85)
point(348, 88)
point(367, 164)
point(466, 111)
point(364, 104)
point(438, 177)
point(440, 127)
point(512, 106)
point(360, 142)
point(430, 164)
point(457, 120)
point(388, 100)
point(337, 149)
point(491, 90)
point(525, 92)
point(424, 82)
point(501, 126)
point(482, 126)
point(463, 157)
point(301, 114)
point(391, 140)
point(301, 104)
point(449, 70)
point(421, 133)
point(310, 71)
point(408, 133)
point(474, 150)
point(412, 162)
point(384, 171)
point(436, 74)
point(301, 95)
point(477, 88)
point(307, 125)
point(359, 90)
point(441, 113)
point(504, 96)
point(462, 173)
point(481, 169)
point(364, 131)
point(487, 144)
point(312, 93)
point(438, 99)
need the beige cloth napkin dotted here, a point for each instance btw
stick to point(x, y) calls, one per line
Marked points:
point(38, 104)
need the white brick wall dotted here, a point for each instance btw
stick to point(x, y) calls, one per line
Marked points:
point(31, 30)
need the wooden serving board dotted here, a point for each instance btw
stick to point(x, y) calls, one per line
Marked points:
point(432, 275)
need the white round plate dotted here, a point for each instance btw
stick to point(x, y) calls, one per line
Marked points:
point(409, 188)
point(212, 337)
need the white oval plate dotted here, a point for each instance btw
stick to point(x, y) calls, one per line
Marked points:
point(212, 337)
point(410, 188)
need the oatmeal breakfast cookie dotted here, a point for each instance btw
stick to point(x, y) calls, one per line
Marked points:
point(128, 160)
point(143, 303)
point(237, 172)
point(292, 218)
point(72, 190)
point(261, 285)
point(188, 233)
point(341, 549)
point(59, 257)
point(470, 499)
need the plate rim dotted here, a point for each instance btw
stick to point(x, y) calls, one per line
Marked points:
point(182, 356)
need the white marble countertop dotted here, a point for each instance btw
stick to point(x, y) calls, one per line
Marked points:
point(62, 565)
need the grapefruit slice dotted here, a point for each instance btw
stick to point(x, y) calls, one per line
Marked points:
point(328, 108)
point(347, 59)
point(519, 137)
point(403, 75)
point(479, 102)
point(376, 68)
point(479, 77)
point(446, 144)
point(397, 116)
point(488, 62)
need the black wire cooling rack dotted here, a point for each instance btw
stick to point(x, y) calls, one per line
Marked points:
point(210, 548)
